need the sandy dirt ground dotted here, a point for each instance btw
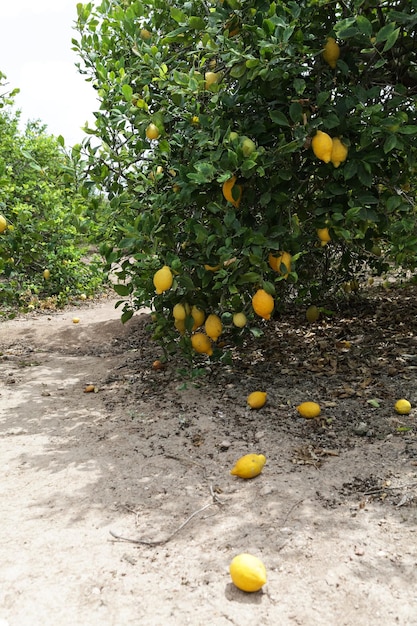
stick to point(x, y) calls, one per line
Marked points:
point(147, 455)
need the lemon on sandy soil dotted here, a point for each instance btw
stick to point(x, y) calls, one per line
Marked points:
point(249, 466)
point(402, 407)
point(312, 313)
point(248, 573)
point(309, 409)
point(256, 399)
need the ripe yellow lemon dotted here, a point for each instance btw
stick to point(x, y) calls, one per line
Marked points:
point(228, 185)
point(163, 279)
point(322, 145)
point(249, 466)
point(201, 344)
point(339, 152)
point(256, 399)
point(195, 120)
point(152, 131)
point(324, 235)
point(3, 224)
point(213, 327)
point(46, 274)
point(198, 316)
point(248, 573)
point(180, 326)
point(312, 314)
point(402, 407)
point(283, 258)
point(211, 78)
point(331, 52)
point(263, 304)
point(75, 320)
point(179, 311)
point(239, 320)
point(309, 409)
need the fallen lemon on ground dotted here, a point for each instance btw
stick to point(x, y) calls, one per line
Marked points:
point(239, 320)
point(263, 304)
point(232, 197)
point(249, 466)
point(75, 320)
point(312, 313)
point(201, 344)
point(322, 145)
point(283, 258)
point(324, 235)
point(309, 409)
point(248, 572)
point(331, 52)
point(213, 326)
point(163, 279)
point(339, 152)
point(403, 407)
point(256, 399)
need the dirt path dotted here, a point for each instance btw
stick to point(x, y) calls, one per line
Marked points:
point(333, 515)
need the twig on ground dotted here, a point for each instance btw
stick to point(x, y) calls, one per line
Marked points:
point(294, 506)
point(161, 542)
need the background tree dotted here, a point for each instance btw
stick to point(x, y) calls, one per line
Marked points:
point(45, 221)
point(208, 112)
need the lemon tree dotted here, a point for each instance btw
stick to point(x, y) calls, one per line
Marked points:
point(45, 220)
point(236, 131)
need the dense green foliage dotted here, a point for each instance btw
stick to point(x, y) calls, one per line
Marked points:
point(48, 219)
point(148, 60)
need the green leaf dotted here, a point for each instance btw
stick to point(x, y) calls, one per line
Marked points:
point(385, 32)
point(127, 92)
point(178, 15)
point(279, 118)
point(197, 23)
point(408, 130)
point(391, 39)
point(322, 96)
point(390, 143)
point(296, 112)
point(249, 277)
point(122, 290)
point(126, 316)
point(364, 25)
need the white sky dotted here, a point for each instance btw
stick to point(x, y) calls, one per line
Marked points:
point(36, 56)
